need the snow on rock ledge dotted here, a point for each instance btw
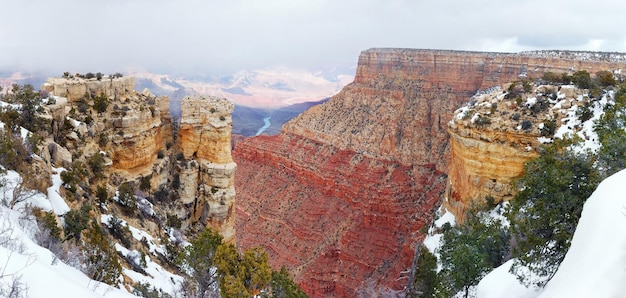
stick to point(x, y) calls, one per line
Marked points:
point(595, 263)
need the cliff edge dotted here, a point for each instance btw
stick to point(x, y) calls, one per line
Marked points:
point(341, 195)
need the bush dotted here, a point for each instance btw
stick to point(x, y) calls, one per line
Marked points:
point(612, 154)
point(100, 103)
point(119, 230)
point(550, 77)
point(582, 79)
point(103, 139)
point(173, 221)
point(96, 163)
point(548, 129)
point(584, 112)
point(48, 221)
point(605, 78)
point(127, 199)
point(102, 262)
point(102, 194)
point(482, 121)
point(526, 124)
point(75, 222)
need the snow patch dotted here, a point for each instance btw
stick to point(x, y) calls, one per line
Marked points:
point(594, 265)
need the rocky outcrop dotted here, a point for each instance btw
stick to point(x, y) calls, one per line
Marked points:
point(340, 196)
point(75, 89)
point(495, 135)
point(208, 170)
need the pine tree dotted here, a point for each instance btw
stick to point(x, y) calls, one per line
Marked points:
point(546, 210)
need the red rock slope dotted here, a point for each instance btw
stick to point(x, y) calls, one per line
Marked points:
point(340, 196)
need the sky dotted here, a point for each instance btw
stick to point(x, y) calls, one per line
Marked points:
point(210, 37)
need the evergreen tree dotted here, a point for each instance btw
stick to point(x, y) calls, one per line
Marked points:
point(611, 134)
point(546, 210)
point(102, 262)
point(284, 287)
point(426, 274)
point(470, 250)
point(198, 258)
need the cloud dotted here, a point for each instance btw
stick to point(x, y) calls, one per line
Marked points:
point(209, 37)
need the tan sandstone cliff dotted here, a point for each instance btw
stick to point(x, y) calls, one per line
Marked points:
point(204, 137)
point(134, 134)
point(340, 196)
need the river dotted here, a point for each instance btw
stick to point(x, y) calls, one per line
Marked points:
point(265, 126)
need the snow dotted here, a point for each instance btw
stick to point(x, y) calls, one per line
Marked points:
point(501, 283)
point(530, 102)
point(573, 126)
point(42, 274)
point(595, 263)
point(156, 275)
point(59, 206)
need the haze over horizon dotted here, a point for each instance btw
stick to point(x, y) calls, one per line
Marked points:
point(196, 37)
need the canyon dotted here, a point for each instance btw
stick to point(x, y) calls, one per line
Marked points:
point(133, 134)
point(342, 195)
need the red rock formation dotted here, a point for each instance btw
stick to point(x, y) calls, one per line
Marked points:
point(340, 196)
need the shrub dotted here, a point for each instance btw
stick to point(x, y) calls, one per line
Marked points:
point(102, 262)
point(102, 194)
point(160, 154)
point(584, 112)
point(526, 125)
point(48, 221)
point(605, 78)
point(119, 230)
point(96, 163)
point(548, 129)
point(482, 121)
point(127, 199)
point(100, 103)
point(75, 222)
point(582, 79)
point(176, 181)
point(173, 221)
point(550, 77)
point(103, 139)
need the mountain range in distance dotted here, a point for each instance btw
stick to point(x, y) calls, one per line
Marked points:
point(264, 99)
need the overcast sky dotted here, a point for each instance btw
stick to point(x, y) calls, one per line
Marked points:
point(219, 37)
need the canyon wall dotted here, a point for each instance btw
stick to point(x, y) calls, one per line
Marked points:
point(76, 88)
point(133, 132)
point(208, 170)
point(340, 197)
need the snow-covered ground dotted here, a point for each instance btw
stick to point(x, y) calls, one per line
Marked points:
point(44, 275)
point(595, 265)
point(41, 274)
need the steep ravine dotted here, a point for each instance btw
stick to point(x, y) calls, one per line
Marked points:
point(340, 196)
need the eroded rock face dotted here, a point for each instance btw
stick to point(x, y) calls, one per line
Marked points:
point(340, 196)
point(208, 176)
point(75, 88)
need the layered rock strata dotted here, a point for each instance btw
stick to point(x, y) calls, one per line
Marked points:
point(75, 89)
point(495, 135)
point(340, 196)
point(131, 129)
point(208, 178)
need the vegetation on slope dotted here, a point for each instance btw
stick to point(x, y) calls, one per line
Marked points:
point(91, 236)
point(539, 222)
